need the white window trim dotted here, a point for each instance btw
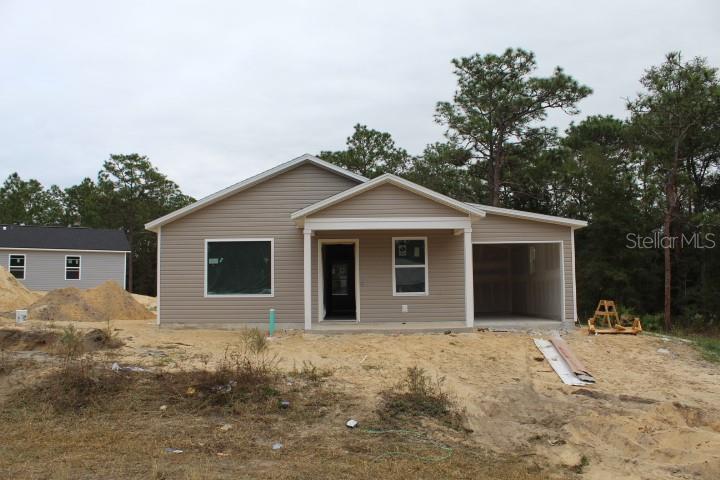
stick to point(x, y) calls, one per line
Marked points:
point(79, 268)
point(24, 277)
point(427, 276)
point(240, 295)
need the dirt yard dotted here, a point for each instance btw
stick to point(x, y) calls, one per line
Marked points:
point(654, 412)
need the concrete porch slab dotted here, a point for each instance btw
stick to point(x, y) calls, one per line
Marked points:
point(338, 328)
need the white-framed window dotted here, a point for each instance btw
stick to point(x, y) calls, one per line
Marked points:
point(16, 265)
point(410, 270)
point(72, 267)
point(239, 267)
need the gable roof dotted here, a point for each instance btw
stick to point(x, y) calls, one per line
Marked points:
point(538, 217)
point(62, 238)
point(249, 182)
point(391, 179)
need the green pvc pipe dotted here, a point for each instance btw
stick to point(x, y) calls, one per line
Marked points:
point(271, 328)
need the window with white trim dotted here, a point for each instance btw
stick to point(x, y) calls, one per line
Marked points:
point(72, 267)
point(239, 267)
point(16, 266)
point(410, 275)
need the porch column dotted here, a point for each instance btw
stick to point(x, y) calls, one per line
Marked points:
point(307, 276)
point(469, 303)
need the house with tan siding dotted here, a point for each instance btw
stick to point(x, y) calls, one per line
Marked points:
point(326, 248)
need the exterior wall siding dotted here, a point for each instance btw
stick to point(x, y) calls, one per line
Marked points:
point(502, 229)
point(446, 277)
point(262, 211)
point(45, 269)
point(388, 201)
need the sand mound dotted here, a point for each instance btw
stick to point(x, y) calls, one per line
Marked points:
point(13, 294)
point(105, 302)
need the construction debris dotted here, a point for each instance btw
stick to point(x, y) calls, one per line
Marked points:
point(561, 365)
point(607, 313)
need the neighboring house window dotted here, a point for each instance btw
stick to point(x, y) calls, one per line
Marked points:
point(410, 274)
point(240, 267)
point(72, 267)
point(16, 266)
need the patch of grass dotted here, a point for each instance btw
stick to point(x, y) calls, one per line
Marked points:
point(248, 373)
point(709, 347)
point(418, 395)
point(77, 385)
point(310, 372)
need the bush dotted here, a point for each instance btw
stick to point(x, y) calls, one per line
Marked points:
point(80, 383)
point(246, 374)
point(416, 394)
point(653, 322)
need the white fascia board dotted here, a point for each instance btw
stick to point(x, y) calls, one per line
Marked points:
point(539, 217)
point(398, 182)
point(249, 182)
point(388, 223)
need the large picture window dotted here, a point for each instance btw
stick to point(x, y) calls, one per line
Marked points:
point(410, 273)
point(16, 266)
point(72, 267)
point(240, 267)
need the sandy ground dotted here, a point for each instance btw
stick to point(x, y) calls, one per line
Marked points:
point(651, 414)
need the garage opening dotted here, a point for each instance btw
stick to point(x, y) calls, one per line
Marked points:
point(519, 281)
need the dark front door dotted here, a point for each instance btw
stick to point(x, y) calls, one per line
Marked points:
point(339, 282)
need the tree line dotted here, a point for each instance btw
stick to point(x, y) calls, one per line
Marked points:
point(650, 177)
point(128, 192)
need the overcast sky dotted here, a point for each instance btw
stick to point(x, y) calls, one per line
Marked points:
point(216, 91)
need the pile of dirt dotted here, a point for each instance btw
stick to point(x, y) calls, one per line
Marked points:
point(107, 301)
point(13, 294)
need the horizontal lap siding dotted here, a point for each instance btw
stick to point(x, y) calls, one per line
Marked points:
point(262, 211)
point(45, 270)
point(446, 299)
point(498, 228)
point(387, 201)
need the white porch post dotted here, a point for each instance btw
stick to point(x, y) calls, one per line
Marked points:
point(307, 277)
point(469, 301)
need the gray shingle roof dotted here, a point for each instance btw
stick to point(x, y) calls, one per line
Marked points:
point(62, 238)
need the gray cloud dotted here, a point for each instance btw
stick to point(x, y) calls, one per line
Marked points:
point(215, 93)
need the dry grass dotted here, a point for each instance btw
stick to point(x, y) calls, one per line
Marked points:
point(418, 395)
point(91, 422)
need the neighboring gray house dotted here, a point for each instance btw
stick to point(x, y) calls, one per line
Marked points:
point(45, 258)
point(327, 248)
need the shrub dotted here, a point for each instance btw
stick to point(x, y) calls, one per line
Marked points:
point(417, 394)
point(71, 344)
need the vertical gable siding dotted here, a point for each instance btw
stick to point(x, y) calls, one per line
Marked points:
point(499, 229)
point(388, 201)
point(262, 211)
point(45, 269)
